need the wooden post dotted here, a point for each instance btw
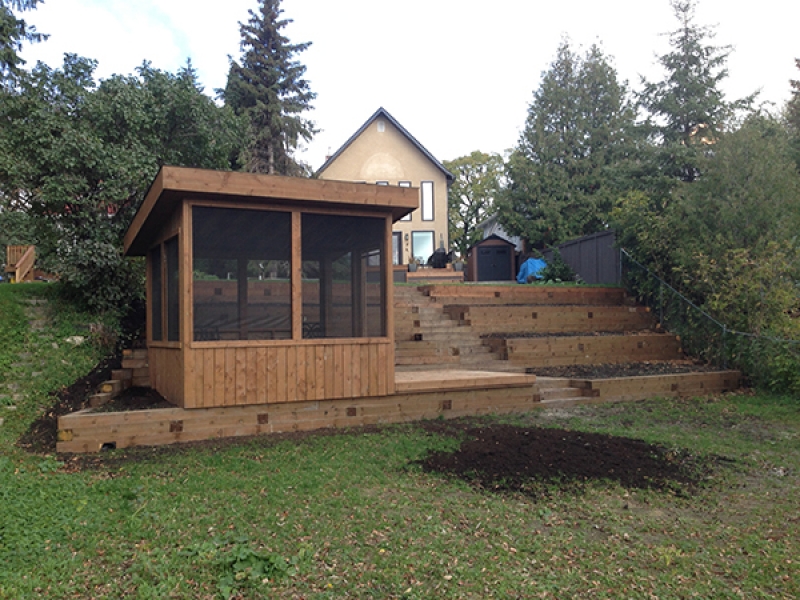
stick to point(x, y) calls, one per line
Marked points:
point(241, 289)
point(296, 274)
point(325, 294)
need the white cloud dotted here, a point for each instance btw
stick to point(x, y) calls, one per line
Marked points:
point(457, 74)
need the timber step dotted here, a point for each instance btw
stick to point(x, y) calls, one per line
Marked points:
point(551, 351)
point(526, 295)
point(134, 373)
point(552, 319)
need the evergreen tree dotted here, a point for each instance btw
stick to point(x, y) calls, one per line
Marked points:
point(14, 31)
point(687, 110)
point(793, 115)
point(268, 88)
point(471, 196)
point(569, 164)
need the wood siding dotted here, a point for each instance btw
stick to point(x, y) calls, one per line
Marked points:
point(166, 369)
point(277, 373)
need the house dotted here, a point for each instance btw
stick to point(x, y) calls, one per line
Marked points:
point(382, 151)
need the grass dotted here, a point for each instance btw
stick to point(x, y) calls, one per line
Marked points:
point(351, 515)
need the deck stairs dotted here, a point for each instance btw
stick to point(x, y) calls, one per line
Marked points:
point(134, 372)
point(426, 337)
point(509, 328)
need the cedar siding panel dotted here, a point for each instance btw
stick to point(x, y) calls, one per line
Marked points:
point(288, 373)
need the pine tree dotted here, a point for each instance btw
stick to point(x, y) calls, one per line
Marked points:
point(268, 88)
point(566, 170)
point(688, 109)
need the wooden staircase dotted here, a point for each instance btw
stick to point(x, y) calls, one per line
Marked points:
point(135, 372)
point(426, 337)
point(508, 328)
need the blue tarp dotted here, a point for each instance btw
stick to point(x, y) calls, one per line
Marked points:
point(531, 267)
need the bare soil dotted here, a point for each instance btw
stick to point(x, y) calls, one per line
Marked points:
point(536, 461)
point(606, 371)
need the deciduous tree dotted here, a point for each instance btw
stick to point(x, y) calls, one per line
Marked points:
point(269, 89)
point(78, 157)
point(478, 180)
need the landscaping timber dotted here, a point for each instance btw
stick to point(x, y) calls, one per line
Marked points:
point(550, 351)
point(419, 396)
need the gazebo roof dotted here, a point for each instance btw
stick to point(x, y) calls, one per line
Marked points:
point(174, 184)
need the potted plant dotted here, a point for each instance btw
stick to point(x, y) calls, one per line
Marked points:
point(413, 263)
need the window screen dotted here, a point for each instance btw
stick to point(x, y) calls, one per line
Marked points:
point(343, 285)
point(156, 291)
point(242, 261)
point(173, 291)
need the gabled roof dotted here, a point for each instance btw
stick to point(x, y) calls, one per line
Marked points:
point(382, 112)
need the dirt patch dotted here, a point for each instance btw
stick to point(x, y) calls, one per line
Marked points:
point(136, 398)
point(41, 435)
point(607, 371)
point(532, 460)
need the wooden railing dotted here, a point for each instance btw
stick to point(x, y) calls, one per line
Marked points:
point(20, 261)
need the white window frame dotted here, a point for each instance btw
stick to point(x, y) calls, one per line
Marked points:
point(426, 200)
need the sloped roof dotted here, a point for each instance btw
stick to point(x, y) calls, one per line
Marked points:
point(382, 112)
point(174, 184)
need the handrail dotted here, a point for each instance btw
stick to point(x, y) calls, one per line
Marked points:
point(13, 255)
point(24, 266)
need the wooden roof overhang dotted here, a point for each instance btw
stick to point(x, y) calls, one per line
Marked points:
point(172, 185)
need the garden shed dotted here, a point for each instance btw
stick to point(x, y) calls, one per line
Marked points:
point(265, 289)
point(491, 259)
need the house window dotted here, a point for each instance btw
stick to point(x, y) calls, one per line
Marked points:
point(242, 261)
point(382, 182)
point(426, 200)
point(156, 291)
point(408, 216)
point(397, 248)
point(422, 245)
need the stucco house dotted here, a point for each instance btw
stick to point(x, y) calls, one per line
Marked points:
point(382, 151)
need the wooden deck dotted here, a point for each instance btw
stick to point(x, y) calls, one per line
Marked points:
point(419, 396)
point(446, 369)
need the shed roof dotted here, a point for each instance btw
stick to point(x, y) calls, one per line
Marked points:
point(174, 184)
point(382, 112)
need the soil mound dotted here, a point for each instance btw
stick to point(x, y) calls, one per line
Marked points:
point(532, 460)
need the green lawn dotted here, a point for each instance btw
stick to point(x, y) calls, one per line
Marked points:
point(352, 515)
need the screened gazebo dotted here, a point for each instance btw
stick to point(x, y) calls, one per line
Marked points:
point(265, 289)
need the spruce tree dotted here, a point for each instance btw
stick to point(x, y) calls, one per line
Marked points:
point(687, 110)
point(268, 88)
point(14, 31)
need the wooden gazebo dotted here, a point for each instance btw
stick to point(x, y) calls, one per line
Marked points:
point(265, 289)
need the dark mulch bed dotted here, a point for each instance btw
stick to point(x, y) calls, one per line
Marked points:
point(136, 398)
point(532, 460)
point(607, 371)
point(41, 435)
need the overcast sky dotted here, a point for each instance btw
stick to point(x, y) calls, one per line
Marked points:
point(458, 74)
